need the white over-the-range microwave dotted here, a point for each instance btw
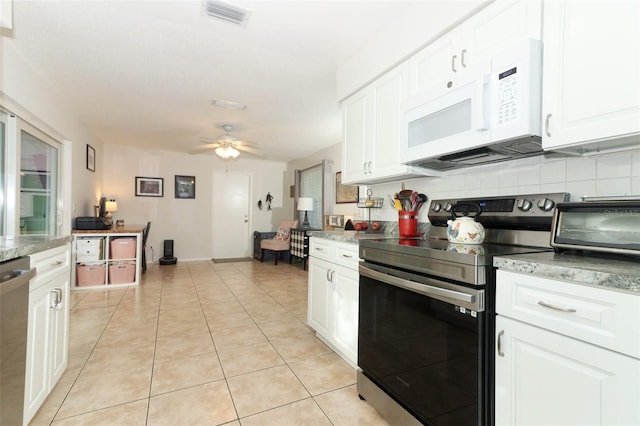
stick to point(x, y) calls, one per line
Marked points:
point(493, 114)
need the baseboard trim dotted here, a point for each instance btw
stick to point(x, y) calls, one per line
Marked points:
point(238, 259)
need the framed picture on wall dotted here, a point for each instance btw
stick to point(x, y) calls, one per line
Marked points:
point(149, 187)
point(91, 158)
point(345, 193)
point(185, 187)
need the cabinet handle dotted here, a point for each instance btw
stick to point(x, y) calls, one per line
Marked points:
point(546, 125)
point(348, 256)
point(330, 273)
point(453, 63)
point(57, 303)
point(319, 249)
point(556, 307)
point(57, 263)
point(462, 58)
point(500, 353)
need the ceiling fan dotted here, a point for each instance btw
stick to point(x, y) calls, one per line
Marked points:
point(227, 146)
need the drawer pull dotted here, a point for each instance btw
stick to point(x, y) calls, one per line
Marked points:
point(557, 308)
point(57, 263)
point(348, 256)
point(319, 249)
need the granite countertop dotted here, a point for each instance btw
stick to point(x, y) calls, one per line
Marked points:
point(614, 272)
point(349, 236)
point(24, 245)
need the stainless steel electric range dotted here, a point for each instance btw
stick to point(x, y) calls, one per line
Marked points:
point(427, 317)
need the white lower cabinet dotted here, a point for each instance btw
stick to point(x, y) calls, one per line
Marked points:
point(48, 329)
point(545, 375)
point(333, 296)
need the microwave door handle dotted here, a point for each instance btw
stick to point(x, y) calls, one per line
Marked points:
point(481, 99)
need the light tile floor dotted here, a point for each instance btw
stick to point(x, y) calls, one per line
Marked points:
point(200, 343)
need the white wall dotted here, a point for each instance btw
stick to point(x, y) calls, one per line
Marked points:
point(31, 97)
point(189, 222)
point(601, 175)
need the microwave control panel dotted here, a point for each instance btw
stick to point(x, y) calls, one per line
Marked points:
point(508, 101)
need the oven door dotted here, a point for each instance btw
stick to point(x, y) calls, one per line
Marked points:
point(424, 343)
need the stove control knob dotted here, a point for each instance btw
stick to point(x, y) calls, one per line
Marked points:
point(524, 205)
point(448, 207)
point(546, 205)
point(436, 207)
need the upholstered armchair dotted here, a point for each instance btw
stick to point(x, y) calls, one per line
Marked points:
point(280, 242)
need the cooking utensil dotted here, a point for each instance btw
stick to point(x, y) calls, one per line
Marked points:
point(405, 199)
point(463, 228)
point(421, 200)
point(395, 203)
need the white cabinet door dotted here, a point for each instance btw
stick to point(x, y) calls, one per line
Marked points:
point(591, 81)
point(389, 93)
point(48, 329)
point(498, 26)
point(546, 378)
point(38, 347)
point(356, 122)
point(320, 296)
point(431, 69)
point(346, 313)
point(451, 61)
point(333, 301)
point(371, 131)
point(59, 329)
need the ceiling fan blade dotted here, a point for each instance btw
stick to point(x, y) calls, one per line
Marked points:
point(249, 150)
point(203, 148)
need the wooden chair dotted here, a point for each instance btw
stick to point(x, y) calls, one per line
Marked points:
point(280, 243)
point(145, 235)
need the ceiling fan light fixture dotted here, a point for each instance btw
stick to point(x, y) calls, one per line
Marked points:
point(227, 152)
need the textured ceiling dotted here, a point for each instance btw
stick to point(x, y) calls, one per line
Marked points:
point(144, 73)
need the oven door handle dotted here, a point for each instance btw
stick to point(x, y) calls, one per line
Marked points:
point(466, 299)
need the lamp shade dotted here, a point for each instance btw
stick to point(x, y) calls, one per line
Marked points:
point(305, 204)
point(111, 206)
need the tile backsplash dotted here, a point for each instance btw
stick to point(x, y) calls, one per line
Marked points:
point(598, 175)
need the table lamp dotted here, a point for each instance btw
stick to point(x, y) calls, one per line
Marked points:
point(305, 204)
point(110, 206)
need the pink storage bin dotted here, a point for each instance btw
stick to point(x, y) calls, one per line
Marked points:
point(122, 273)
point(88, 275)
point(123, 248)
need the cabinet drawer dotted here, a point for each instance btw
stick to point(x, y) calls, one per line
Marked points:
point(322, 249)
point(336, 252)
point(50, 263)
point(606, 318)
point(347, 255)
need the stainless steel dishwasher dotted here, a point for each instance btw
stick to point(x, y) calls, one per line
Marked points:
point(14, 308)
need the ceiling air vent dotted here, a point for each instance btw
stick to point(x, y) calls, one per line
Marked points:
point(226, 11)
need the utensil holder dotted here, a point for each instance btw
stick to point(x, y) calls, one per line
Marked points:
point(407, 223)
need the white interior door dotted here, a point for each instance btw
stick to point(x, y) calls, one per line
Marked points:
point(231, 215)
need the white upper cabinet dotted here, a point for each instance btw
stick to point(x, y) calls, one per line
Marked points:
point(591, 83)
point(371, 130)
point(448, 62)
